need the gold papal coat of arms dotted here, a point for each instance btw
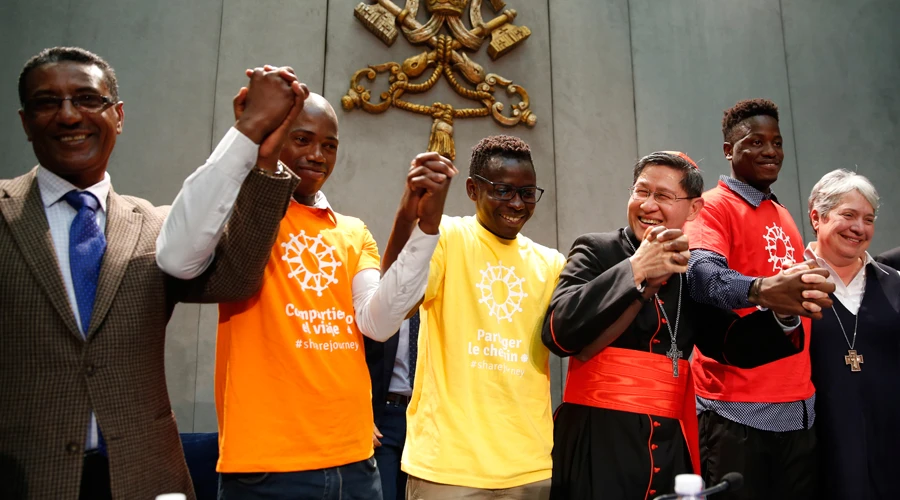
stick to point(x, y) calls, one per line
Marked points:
point(446, 57)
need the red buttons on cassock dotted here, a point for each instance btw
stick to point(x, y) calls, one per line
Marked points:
point(653, 447)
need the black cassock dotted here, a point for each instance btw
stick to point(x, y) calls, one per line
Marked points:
point(611, 454)
point(858, 413)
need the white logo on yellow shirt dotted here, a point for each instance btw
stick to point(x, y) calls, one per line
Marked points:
point(778, 244)
point(503, 281)
point(312, 262)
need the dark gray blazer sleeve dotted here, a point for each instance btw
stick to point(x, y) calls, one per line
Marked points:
point(236, 271)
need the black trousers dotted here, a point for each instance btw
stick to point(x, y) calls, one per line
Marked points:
point(95, 483)
point(775, 465)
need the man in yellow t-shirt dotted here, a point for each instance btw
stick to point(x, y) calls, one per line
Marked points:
point(293, 396)
point(480, 421)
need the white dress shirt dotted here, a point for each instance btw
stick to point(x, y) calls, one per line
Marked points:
point(59, 217)
point(187, 242)
point(851, 294)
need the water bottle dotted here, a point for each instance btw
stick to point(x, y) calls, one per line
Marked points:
point(688, 486)
point(172, 496)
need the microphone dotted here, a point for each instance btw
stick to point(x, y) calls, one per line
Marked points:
point(730, 482)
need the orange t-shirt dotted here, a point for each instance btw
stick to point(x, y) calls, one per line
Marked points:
point(292, 388)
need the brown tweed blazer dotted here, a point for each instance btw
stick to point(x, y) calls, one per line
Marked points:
point(51, 378)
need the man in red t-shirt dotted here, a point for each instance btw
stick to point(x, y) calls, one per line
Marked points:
point(754, 421)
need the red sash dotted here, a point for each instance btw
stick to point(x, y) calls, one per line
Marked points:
point(637, 382)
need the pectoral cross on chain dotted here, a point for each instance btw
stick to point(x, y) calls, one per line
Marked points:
point(674, 354)
point(854, 360)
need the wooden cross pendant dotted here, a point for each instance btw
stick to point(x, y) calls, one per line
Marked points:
point(854, 360)
point(674, 354)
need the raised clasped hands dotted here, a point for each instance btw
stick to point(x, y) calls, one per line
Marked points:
point(799, 290)
point(265, 109)
point(662, 253)
point(427, 185)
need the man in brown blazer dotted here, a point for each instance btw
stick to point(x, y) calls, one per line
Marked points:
point(84, 409)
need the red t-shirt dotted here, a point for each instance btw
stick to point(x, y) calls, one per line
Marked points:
point(755, 241)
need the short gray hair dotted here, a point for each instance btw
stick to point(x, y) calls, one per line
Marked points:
point(832, 187)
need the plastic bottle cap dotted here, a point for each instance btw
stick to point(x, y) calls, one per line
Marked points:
point(688, 484)
point(171, 496)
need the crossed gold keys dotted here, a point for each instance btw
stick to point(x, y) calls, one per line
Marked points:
point(446, 57)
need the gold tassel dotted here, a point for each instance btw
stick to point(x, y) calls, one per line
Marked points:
point(441, 139)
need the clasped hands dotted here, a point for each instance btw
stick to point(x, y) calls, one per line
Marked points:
point(427, 185)
point(265, 109)
point(798, 290)
point(662, 253)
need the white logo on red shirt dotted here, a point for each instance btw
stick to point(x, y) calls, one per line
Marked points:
point(778, 244)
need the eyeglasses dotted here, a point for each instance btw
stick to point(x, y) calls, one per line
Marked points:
point(641, 194)
point(506, 192)
point(89, 103)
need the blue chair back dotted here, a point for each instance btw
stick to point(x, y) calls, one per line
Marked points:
point(201, 452)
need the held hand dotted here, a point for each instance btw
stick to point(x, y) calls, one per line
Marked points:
point(427, 185)
point(376, 435)
point(409, 203)
point(286, 73)
point(266, 103)
point(662, 253)
point(801, 293)
point(791, 268)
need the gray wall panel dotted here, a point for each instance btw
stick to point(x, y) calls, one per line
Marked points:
point(593, 119)
point(204, 417)
point(25, 29)
point(593, 114)
point(304, 21)
point(842, 61)
point(181, 363)
point(165, 59)
point(692, 60)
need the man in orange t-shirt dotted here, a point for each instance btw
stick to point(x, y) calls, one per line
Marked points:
point(293, 394)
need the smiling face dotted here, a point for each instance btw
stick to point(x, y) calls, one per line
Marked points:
point(72, 143)
point(504, 219)
point(844, 233)
point(644, 214)
point(311, 147)
point(756, 153)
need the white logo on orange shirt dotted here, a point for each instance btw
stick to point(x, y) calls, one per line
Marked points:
point(502, 280)
point(778, 244)
point(312, 262)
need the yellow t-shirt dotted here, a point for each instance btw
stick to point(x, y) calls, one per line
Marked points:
point(480, 414)
point(292, 388)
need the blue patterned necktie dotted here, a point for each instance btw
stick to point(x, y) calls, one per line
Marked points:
point(413, 347)
point(86, 247)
